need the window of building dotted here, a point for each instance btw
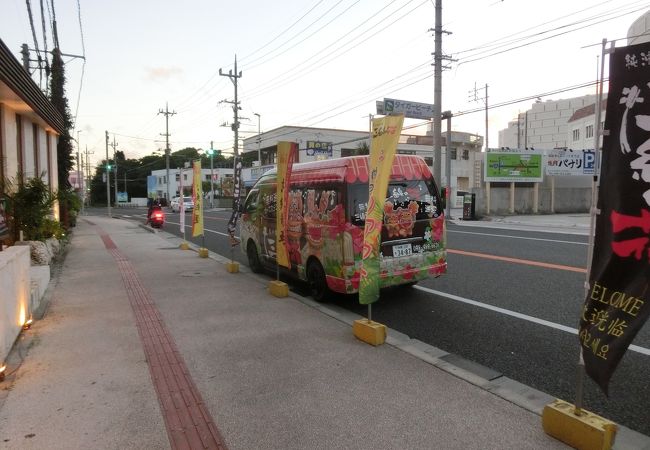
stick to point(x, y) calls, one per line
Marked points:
point(452, 154)
point(19, 144)
point(465, 155)
point(178, 177)
point(576, 135)
point(589, 131)
point(37, 166)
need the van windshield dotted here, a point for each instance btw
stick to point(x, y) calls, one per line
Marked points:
point(400, 194)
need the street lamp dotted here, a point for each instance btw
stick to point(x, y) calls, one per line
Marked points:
point(259, 140)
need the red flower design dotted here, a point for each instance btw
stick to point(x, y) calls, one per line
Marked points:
point(409, 272)
point(356, 277)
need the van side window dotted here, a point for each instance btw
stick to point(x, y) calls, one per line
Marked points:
point(251, 202)
point(269, 205)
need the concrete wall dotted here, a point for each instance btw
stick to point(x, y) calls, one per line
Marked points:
point(14, 295)
point(567, 200)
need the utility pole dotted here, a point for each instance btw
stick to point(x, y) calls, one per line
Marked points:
point(448, 115)
point(485, 99)
point(114, 145)
point(235, 106)
point(79, 179)
point(211, 175)
point(167, 113)
point(108, 180)
point(437, 91)
point(87, 167)
point(259, 140)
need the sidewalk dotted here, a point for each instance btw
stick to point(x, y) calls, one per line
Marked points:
point(573, 223)
point(148, 346)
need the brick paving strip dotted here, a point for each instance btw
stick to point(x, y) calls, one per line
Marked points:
point(188, 422)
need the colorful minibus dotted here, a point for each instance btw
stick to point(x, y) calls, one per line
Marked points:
point(327, 209)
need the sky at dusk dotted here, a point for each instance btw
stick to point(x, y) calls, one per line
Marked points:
point(308, 63)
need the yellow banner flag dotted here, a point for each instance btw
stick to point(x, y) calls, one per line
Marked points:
point(197, 198)
point(385, 137)
point(286, 155)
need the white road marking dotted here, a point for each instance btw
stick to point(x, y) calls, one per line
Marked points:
point(204, 229)
point(636, 348)
point(518, 237)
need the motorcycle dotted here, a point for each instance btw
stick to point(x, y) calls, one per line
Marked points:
point(157, 217)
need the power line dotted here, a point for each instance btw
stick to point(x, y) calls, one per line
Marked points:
point(283, 32)
point(83, 67)
point(251, 64)
point(469, 58)
point(305, 69)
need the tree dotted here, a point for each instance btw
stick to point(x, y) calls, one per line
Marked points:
point(362, 148)
point(60, 102)
point(64, 147)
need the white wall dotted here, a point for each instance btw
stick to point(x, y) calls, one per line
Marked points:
point(546, 124)
point(9, 142)
point(14, 295)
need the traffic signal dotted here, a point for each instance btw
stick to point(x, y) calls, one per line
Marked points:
point(108, 166)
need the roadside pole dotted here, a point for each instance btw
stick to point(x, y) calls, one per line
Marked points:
point(108, 180)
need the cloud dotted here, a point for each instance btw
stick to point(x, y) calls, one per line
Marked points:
point(162, 73)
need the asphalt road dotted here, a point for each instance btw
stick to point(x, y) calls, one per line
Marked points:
point(511, 301)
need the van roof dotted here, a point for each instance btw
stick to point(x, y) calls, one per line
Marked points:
point(352, 169)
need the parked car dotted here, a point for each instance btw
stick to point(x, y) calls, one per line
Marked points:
point(188, 204)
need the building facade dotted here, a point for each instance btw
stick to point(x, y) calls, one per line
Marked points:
point(29, 127)
point(221, 183)
point(323, 143)
point(545, 125)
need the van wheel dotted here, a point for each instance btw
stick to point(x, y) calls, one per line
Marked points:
point(317, 281)
point(253, 258)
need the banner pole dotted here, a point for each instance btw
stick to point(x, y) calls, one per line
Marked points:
point(592, 220)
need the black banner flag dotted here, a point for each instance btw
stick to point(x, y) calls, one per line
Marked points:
point(618, 301)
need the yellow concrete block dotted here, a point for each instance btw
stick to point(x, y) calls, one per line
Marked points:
point(278, 288)
point(584, 432)
point(232, 267)
point(184, 246)
point(370, 332)
point(203, 252)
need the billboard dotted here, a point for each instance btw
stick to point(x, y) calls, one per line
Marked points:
point(513, 165)
point(561, 162)
point(151, 186)
point(319, 149)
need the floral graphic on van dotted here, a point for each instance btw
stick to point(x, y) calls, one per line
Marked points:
point(399, 222)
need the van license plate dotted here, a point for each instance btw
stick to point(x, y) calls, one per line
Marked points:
point(402, 250)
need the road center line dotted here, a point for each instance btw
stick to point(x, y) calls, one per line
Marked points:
point(204, 229)
point(507, 312)
point(517, 237)
point(518, 261)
